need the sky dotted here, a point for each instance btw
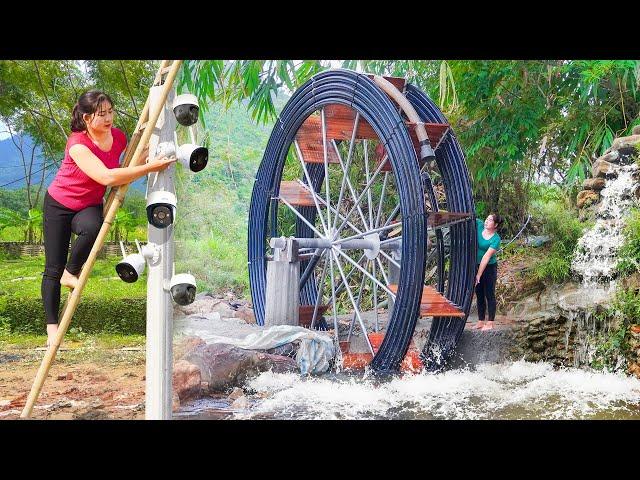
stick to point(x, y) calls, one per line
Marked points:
point(4, 134)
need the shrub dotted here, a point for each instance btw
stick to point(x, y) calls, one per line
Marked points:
point(94, 314)
point(614, 348)
point(564, 228)
point(629, 254)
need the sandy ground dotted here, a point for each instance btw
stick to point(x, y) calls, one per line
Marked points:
point(98, 385)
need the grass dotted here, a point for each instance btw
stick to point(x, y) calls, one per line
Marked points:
point(72, 340)
point(23, 276)
point(108, 305)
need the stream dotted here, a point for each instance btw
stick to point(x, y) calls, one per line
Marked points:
point(508, 390)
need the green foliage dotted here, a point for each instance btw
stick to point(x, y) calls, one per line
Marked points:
point(29, 224)
point(624, 311)
point(609, 352)
point(257, 81)
point(629, 253)
point(213, 236)
point(564, 228)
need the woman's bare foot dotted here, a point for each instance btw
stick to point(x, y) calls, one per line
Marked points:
point(52, 331)
point(478, 325)
point(487, 326)
point(68, 280)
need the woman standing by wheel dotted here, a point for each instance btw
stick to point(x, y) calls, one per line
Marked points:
point(74, 200)
point(487, 275)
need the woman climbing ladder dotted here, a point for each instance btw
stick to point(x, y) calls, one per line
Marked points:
point(73, 202)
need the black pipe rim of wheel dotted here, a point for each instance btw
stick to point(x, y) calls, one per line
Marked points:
point(361, 94)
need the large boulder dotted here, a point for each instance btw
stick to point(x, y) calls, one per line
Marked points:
point(223, 366)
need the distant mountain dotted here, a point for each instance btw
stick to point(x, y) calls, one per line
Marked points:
point(12, 172)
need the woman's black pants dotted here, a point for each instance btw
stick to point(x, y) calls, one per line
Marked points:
point(59, 222)
point(486, 292)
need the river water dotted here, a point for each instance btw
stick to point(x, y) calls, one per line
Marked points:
point(509, 390)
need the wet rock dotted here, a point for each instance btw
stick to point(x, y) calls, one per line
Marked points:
point(587, 198)
point(224, 366)
point(240, 403)
point(186, 380)
point(611, 156)
point(184, 345)
point(630, 141)
point(236, 393)
point(602, 168)
point(594, 183)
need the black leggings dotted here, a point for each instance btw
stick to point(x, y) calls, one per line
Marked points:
point(486, 288)
point(59, 222)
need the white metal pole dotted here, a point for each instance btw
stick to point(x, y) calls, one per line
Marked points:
point(159, 364)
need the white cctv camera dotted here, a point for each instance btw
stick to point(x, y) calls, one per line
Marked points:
point(186, 108)
point(131, 267)
point(193, 157)
point(183, 288)
point(161, 208)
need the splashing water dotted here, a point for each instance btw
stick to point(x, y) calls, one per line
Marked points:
point(511, 390)
point(595, 258)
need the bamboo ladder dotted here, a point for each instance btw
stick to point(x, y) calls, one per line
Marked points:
point(139, 139)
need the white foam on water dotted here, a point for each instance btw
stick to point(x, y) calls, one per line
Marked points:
point(515, 390)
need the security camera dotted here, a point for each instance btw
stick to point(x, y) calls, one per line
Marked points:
point(165, 149)
point(161, 208)
point(186, 108)
point(131, 267)
point(193, 157)
point(183, 288)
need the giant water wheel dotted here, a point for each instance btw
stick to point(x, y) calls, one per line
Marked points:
point(385, 224)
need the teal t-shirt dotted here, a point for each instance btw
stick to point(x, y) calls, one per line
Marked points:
point(484, 245)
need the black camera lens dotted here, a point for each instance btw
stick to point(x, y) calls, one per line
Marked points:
point(186, 114)
point(183, 294)
point(161, 216)
point(126, 272)
point(199, 158)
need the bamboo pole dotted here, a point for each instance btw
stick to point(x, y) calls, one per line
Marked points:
point(74, 296)
point(135, 138)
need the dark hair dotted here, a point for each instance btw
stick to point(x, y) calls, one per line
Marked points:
point(88, 103)
point(497, 219)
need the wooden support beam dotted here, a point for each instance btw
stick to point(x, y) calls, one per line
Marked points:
point(434, 304)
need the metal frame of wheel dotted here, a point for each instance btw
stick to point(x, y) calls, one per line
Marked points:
point(360, 93)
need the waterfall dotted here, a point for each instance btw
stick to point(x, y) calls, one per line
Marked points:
point(595, 260)
point(596, 256)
